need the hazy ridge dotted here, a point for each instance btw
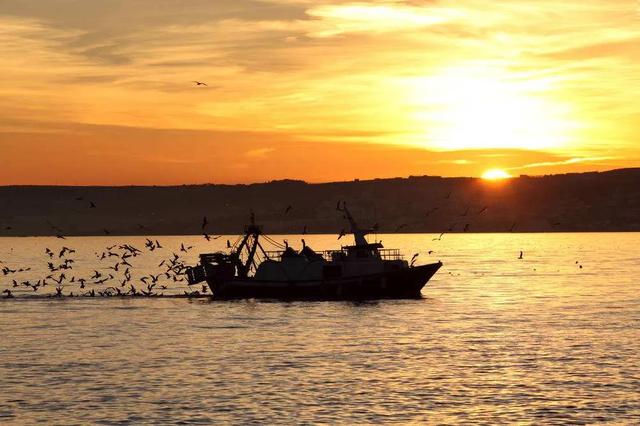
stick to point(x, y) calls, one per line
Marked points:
point(606, 201)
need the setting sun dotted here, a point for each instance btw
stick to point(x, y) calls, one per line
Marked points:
point(495, 174)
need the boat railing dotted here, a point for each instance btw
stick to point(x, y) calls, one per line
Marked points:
point(390, 254)
point(338, 255)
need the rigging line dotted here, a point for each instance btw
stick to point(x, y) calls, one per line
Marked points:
point(236, 242)
point(274, 242)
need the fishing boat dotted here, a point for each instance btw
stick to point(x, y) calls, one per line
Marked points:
point(360, 271)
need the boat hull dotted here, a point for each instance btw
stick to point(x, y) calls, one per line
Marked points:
point(400, 284)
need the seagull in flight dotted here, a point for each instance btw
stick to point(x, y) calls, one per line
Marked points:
point(199, 83)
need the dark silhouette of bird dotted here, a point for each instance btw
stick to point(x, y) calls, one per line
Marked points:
point(521, 255)
point(66, 250)
point(207, 237)
point(439, 237)
point(429, 212)
point(342, 233)
point(484, 209)
point(513, 226)
point(106, 231)
point(448, 196)
point(204, 222)
point(401, 226)
point(466, 227)
point(6, 270)
point(228, 244)
point(199, 83)
point(92, 205)
point(304, 230)
point(60, 236)
point(158, 244)
point(288, 209)
point(414, 258)
point(8, 294)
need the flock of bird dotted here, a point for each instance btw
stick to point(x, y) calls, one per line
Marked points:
point(113, 277)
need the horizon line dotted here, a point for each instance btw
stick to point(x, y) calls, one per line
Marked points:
point(300, 181)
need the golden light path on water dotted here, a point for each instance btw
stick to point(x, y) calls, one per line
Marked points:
point(551, 338)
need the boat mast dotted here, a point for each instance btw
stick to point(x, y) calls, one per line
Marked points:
point(251, 243)
point(358, 234)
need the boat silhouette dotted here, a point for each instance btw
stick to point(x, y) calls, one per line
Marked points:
point(354, 272)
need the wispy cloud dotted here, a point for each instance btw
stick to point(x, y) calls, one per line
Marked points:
point(331, 20)
point(570, 161)
point(259, 152)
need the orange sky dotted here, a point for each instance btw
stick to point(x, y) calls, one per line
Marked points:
point(101, 92)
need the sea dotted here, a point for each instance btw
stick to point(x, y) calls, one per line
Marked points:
point(513, 329)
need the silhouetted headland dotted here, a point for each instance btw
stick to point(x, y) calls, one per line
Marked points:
point(605, 201)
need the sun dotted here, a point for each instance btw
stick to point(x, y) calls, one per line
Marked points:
point(495, 174)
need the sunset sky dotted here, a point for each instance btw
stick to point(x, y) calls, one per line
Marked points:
point(102, 92)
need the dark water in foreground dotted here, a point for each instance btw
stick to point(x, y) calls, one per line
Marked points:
point(495, 340)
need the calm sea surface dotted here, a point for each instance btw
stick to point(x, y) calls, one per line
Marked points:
point(495, 339)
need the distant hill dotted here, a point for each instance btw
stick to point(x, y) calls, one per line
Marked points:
point(606, 201)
